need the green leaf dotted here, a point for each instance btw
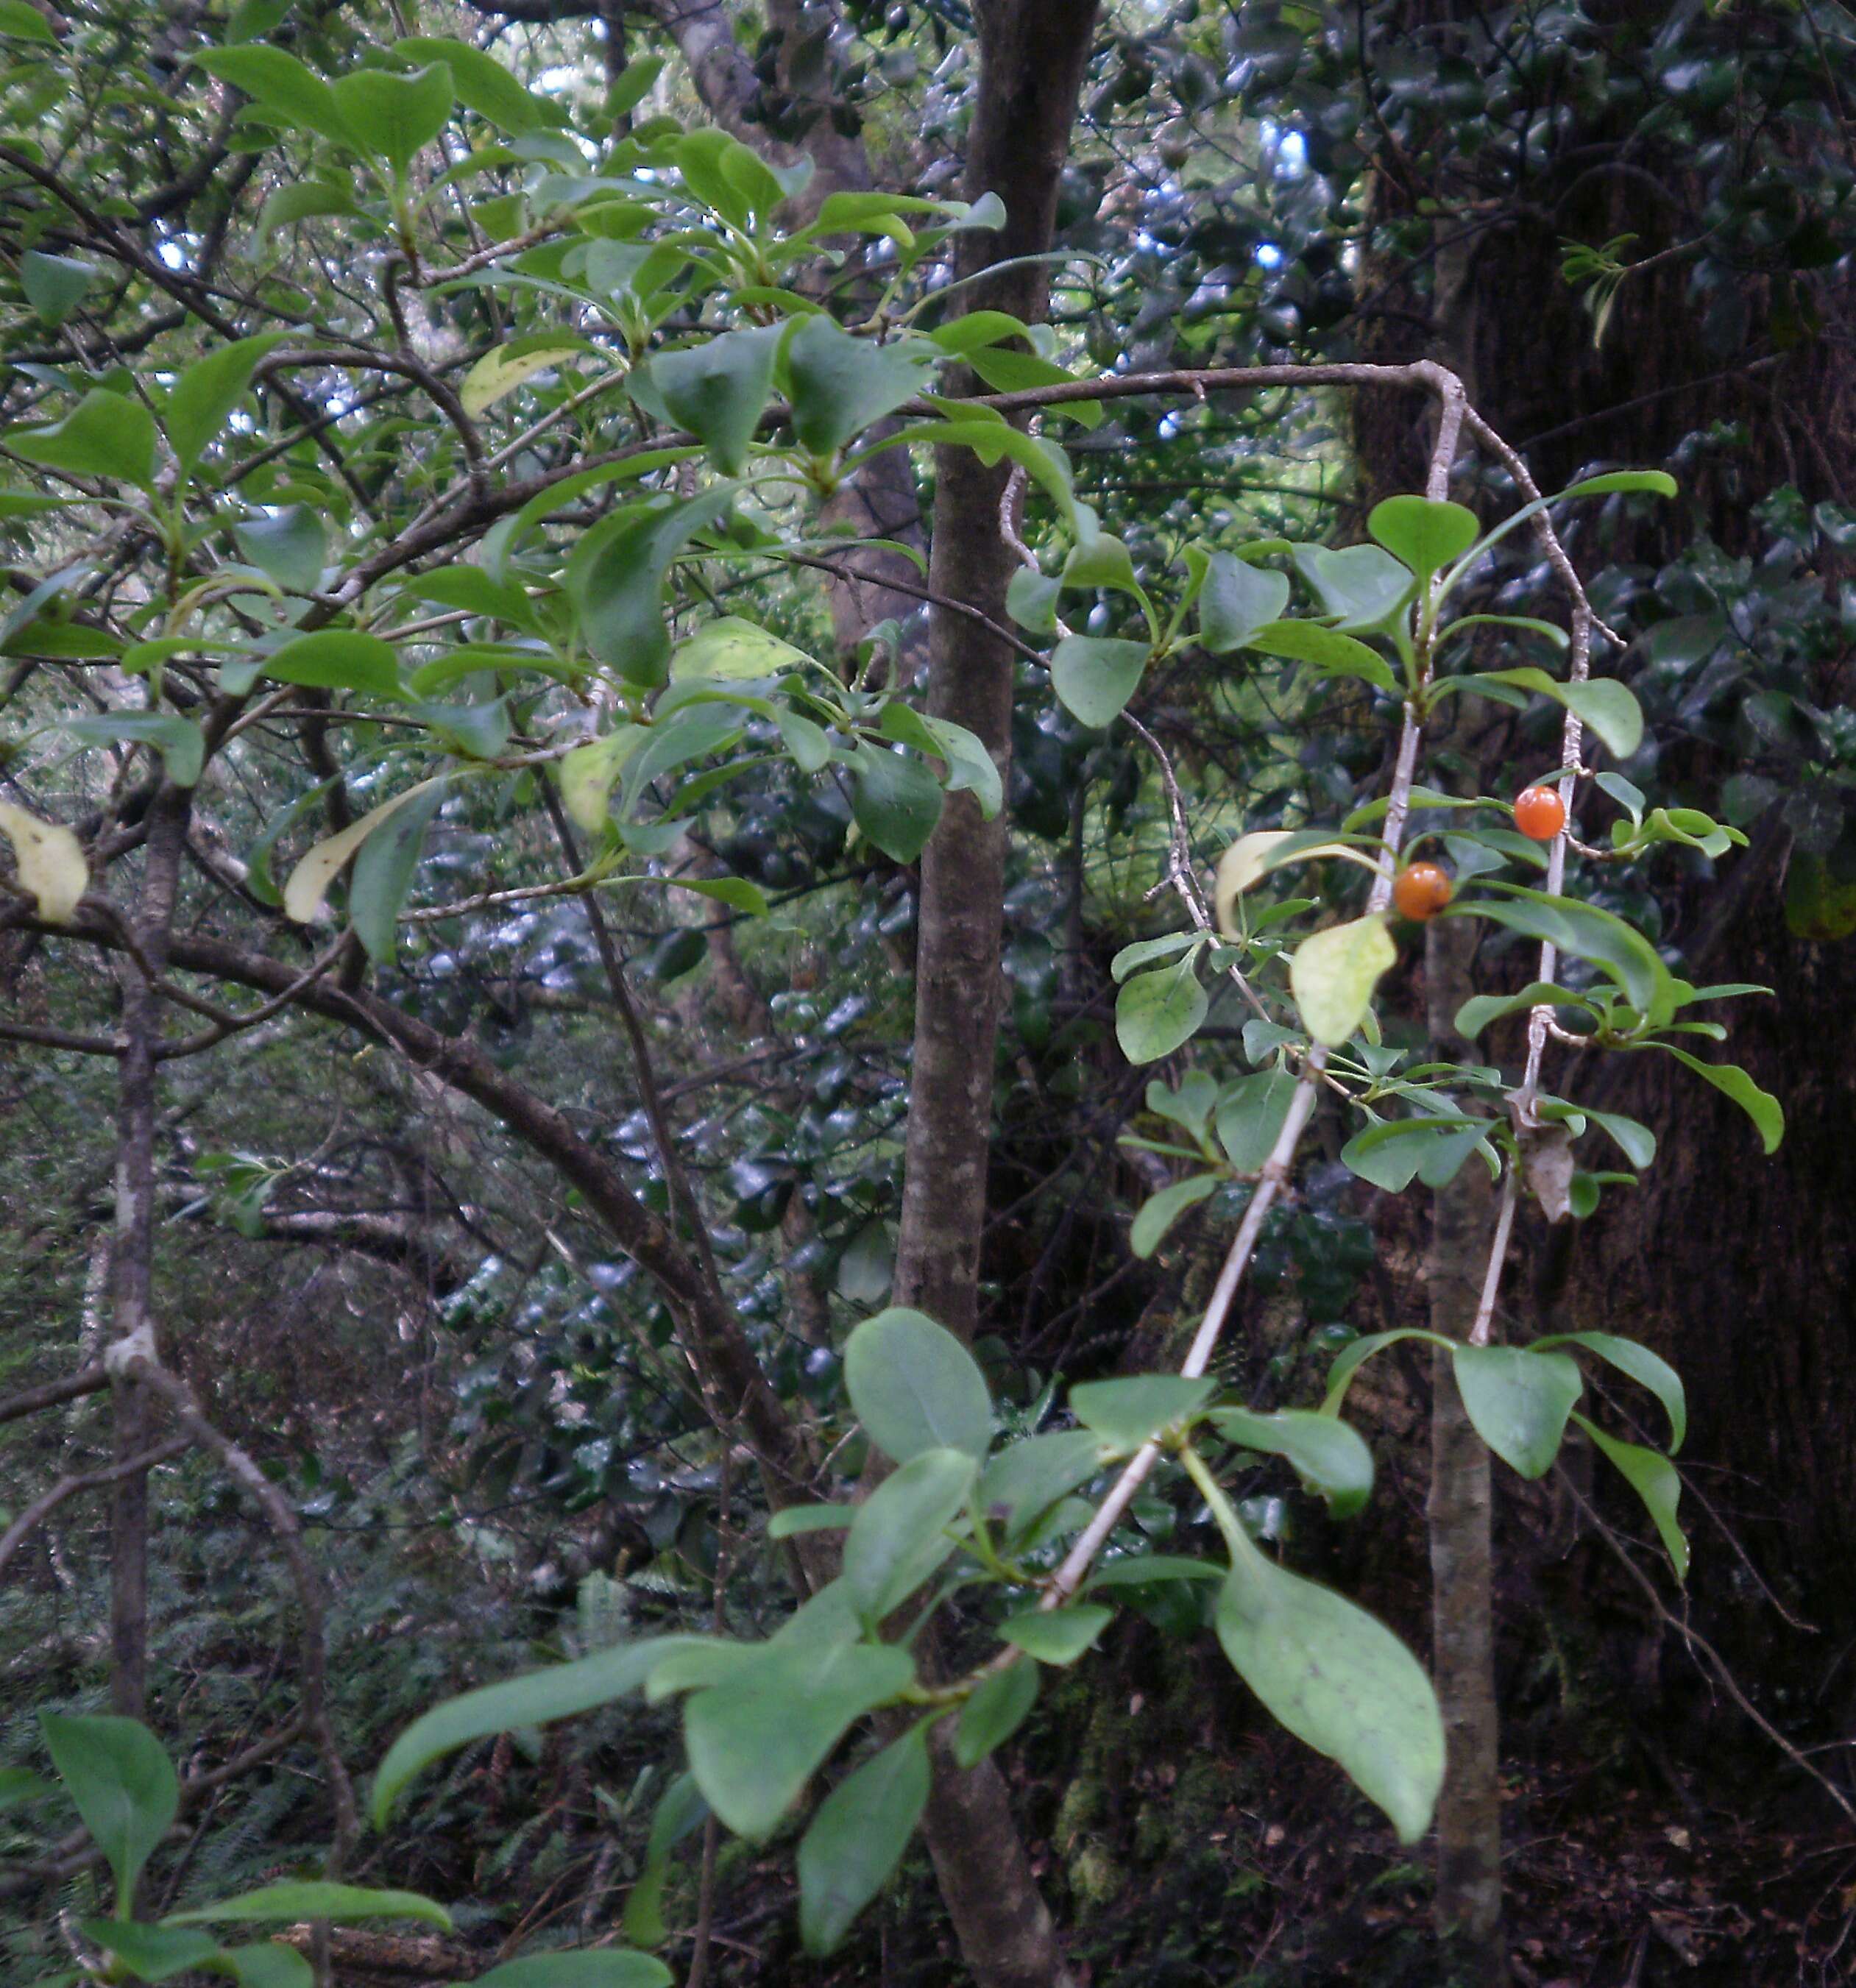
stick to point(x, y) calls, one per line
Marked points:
point(839, 385)
point(900, 1534)
point(498, 373)
point(1094, 676)
point(383, 875)
point(857, 1839)
point(1651, 482)
point(303, 200)
point(793, 1519)
point(283, 88)
point(1101, 560)
point(23, 22)
point(396, 117)
point(1332, 975)
point(1655, 1480)
point(732, 649)
point(1391, 1155)
point(1362, 586)
point(179, 741)
point(312, 1898)
point(601, 1967)
point(1031, 600)
point(205, 394)
point(1425, 534)
point(1519, 1400)
point(1159, 1212)
point(896, 800)
point(1339, 1680)
point(1766, 1113)
point(1643, 1366)
point(1480, 1010)
point(615, 579)
point(754, 1742)
point(1549, 631)
point(723, 173)
point(1351, 1358)
point(632, 85)
point(1190, 1106)
point(996, 1710)
point(1604, 705)
point(970, 768)
point(1028, 1477)
point(1155, 1013)
point(269, 1965)
point(337, 659)
point(915, 1387)
point(55, 286)
point(1324, 649)
point(481, 82)
point(1125, 1414)
point(533, 1699)
point(1236, 601)
point(288, 545)
point(309, 882)
point(680, 1810)
point(586, 774)
point(1057, 1636)
point(107, 435)
point(151, 1952)
point(1328, 1454)
point(1251, 1112)
point(1591, 934)
point(121, 1782)
point(718, 389)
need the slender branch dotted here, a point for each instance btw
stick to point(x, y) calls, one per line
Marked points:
point(86, 1380)
point(48, 1501)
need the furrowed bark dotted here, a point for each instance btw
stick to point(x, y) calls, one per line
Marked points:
point(1032, 58)
point(1468, 1904)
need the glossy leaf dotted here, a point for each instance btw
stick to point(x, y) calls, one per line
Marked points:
point(55, 286)
point(731, 648)
point(1519, 1400)
point(1655, 1480)
point(1126, 1413)
point(1339, 1680)
point(288, 545)
point(1329, 1456)
point(857, 1837)
point(1156, 1013)
point(308, 885)
point(394, 117)
point(1094, 676)
point(1588, 932)
point(1605, 706)
point(152, 1953)
point(1057, 1636)
point(1250, 1115)
point(337, 659)
point(1332, 975)
point(1766, 1113)
point(269, 1964)
point(1237, 600)
point(110, 436)
point(179, 741)
point(969, 767)
point(120, 1781)
point(755, 1741)
point(996, 1710)
point(205, 394)
point(900, 1534)
point(615, 579)
point(1159, 1212)
point(839, 385)
point(1324, 649)
point(1649, 1370)
point(1424, 534)
point(1028, 1477)
point(896, 800)
point(283, 88)
point(534, 1698)
point(718, 389)
point(1362, 586)
point(481, 82)
point(383, 874)
point(499, 373)
point(314, 1898)
point(915, 1387)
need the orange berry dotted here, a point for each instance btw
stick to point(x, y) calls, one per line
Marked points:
point(1540, 814)
point(1422, 890)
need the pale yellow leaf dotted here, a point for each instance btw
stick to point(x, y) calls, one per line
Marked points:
point(310, 881)
point(51, 860)
point(1333, 974)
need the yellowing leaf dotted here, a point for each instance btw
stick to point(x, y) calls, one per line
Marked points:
point(310, 881)
point(503, 370)
point(1249, 858)
point(1333, 974)
point(51, 861)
